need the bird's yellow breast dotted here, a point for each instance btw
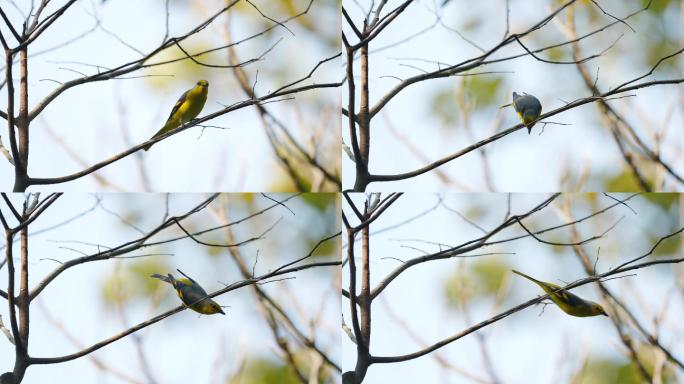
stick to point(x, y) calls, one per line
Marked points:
point(193, 105)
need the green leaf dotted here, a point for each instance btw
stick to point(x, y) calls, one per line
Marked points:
point(622, 182)
point(667, 247)
point(604, 371)
point(607, 371)
point(482, 88)
point(556, 54)
point(265, 371)
point(443, 106)
point(663, 200)
point(320, 201)
point(262, 371)
point(483, 278)
point(132, 281)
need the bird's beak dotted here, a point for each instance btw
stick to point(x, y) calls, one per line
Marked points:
point(221, 311)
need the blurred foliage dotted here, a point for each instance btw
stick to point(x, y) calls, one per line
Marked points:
point(183, 74)
point(481, 89)
point(622, 182)
point(606, 371)
point(657, 33)
point(263, 371)
point(130, 217)
point(663, 200)
point(248, 198)
point(476, 212)
point(320, 201)
point(132, 281)
point(659, 6)
point(667, 247)
point(319, 219)
point(668, 220)
point(474, 91)
point(592, 198)
point(480, 279)
point(557, 54)
point(328, 249)
point(593, 13)
point(324, 205)
point(314, 23)
point(442, 106)
point(472, 24)
point(658, 42)
point(282, 180)
point(303, 172)
point(283, 9)
point(656, 50)
point(214, 251)
point(489, 274)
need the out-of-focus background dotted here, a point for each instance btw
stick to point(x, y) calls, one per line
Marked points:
point(93, 301)
point(432, 119)
point(436, 299)
point(90, 123)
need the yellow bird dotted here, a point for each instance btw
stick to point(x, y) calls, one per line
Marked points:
point(571, 304)
point(187, 108)
point(191, 294)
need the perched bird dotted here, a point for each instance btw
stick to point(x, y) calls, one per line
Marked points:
point(571, 304)
point(528, 107)
point(191, 294)
point(187, 108)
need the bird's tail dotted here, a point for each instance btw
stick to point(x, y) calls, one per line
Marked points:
point(148, 146)
point(168, 278)
point(529, 123)
point(527, 277)
point(159, 133)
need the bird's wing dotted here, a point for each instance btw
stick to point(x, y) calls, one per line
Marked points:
point(188, 277)
point(192, 294)
point(199, 291)
point(565, 296)
point(178, 104)
point(521, 103)
point(515, 105)
point(572, 299)
point(550, 288)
